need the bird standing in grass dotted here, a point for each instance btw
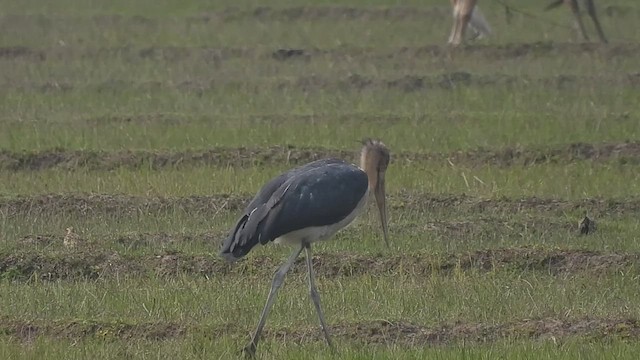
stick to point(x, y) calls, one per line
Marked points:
point(307, 204)
point(586, 226)
point(71, 239)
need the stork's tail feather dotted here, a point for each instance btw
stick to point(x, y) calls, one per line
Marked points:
point(245, 235)
point(232, 249)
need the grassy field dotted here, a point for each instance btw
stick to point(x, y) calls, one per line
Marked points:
point(148, 125)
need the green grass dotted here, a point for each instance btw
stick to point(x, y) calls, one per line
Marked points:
point(199, 346)
point(567, 181)
point(493, 298)
point(431, 121)
point(46, 25)
point(154, 76)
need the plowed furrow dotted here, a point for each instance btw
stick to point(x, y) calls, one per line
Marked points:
point(86, 262)
point(124, 205)
point(368, 332)
point(628, 152)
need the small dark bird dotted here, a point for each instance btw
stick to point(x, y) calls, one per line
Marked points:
point(586, 226)
point(285, 54)
point(305, 205)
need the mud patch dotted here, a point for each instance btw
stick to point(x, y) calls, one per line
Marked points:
point(367, 332)
point(624, 153)
point(91, 264)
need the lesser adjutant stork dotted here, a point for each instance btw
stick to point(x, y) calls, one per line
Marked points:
point(307, 204)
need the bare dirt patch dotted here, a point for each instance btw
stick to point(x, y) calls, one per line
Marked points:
point(367, 332)
point(624, 153)
point(92, 263)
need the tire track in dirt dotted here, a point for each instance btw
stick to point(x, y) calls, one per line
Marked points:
point(242, 157)
point(368, 332)
point(91, 263)
point(352, 82)
point(79, 204)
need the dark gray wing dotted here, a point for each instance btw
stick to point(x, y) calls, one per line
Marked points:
point(313, 195)
point(270, 187)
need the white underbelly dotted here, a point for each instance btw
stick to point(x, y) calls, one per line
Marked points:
point(319, 233)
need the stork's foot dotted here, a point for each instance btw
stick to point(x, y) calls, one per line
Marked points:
point(249, 351)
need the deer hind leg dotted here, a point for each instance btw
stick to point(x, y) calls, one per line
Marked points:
point(575, 9)
point(454, 8)
point(462, 10)
point(591, 10)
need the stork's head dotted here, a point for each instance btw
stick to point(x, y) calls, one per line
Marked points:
point(374, 160)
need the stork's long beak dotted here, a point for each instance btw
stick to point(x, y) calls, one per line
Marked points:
point(381, 201)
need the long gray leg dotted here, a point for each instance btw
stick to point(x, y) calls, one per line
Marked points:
point(573, 4)
point(278, 279)
point(591, 9)
point(315, 297)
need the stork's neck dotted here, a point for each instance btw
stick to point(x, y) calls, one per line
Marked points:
point(370, 168)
